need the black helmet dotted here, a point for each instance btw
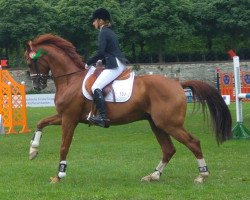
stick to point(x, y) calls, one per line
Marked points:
point(100, 13)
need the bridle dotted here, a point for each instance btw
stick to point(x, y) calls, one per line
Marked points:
point(37, 58)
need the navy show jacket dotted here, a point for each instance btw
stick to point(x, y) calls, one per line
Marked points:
point(108, 49)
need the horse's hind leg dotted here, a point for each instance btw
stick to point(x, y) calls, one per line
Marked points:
point(168, 150)
point(34, 144)
point(193, 144)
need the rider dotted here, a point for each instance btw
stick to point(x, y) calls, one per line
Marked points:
point(110, 53)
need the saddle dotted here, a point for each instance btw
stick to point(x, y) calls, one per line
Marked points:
point(108, 88)
point(119, 90)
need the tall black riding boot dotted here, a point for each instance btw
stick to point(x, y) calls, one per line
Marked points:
point(101, 119)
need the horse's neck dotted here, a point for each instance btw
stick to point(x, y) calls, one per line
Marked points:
point(64, 70)
point(61, 69)
point(60, 64)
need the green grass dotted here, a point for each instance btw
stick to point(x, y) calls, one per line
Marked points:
point(109, 163)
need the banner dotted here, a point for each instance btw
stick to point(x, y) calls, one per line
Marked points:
point(40, 100)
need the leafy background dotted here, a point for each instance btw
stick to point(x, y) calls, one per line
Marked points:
point(149, 30)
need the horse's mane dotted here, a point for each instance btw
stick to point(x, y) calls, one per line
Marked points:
point(64, 45)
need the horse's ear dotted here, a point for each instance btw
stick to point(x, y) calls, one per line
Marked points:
point(29, 46)
point(29, 53)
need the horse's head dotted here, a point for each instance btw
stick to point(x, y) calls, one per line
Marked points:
point(38, 66)
point(52, 53)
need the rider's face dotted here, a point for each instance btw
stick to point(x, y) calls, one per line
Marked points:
point(96, 23)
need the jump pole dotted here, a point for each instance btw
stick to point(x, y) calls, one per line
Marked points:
point(239, 130)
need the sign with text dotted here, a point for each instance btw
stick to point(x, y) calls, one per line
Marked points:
point(40, 100)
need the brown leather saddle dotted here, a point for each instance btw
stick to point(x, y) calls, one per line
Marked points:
point(108, 88)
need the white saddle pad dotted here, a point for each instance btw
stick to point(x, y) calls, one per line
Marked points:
point(122, 88)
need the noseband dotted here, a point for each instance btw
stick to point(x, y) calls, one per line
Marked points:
point(41, 78)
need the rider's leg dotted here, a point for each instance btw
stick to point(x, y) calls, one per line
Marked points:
point(107, 76)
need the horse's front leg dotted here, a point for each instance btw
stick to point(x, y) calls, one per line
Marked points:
point(34, 144)
point(68, 128)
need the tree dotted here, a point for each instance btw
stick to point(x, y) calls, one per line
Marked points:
point(156, 21)
point(234, 21)
point(75, 24)
point(227, 19)
point(23, 20)
point(205, 17)
point(149, 27)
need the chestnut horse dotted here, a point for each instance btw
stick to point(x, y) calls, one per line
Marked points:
point(157, 99)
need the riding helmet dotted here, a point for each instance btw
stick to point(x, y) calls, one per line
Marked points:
point(101, 13)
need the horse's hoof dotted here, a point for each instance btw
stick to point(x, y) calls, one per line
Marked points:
point(33, 153)
point(55, 179)
point(200, 179)
point(152, 177)
point(146, 178)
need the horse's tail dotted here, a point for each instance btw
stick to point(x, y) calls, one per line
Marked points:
point(220, 114)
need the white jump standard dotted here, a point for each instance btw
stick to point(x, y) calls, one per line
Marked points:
point(239, 130)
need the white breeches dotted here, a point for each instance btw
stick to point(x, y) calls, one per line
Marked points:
point(107, 76)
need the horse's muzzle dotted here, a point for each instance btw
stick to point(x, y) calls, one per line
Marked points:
point(39, 87)
point(39, 82)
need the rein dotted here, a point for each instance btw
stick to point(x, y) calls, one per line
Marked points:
point(59, 76)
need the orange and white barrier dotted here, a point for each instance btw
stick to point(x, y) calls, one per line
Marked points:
point(12, 104)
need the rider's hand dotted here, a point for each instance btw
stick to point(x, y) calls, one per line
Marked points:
point(99, 63)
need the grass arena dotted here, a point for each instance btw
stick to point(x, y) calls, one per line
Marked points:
point(109, 163)
point(176, 107)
